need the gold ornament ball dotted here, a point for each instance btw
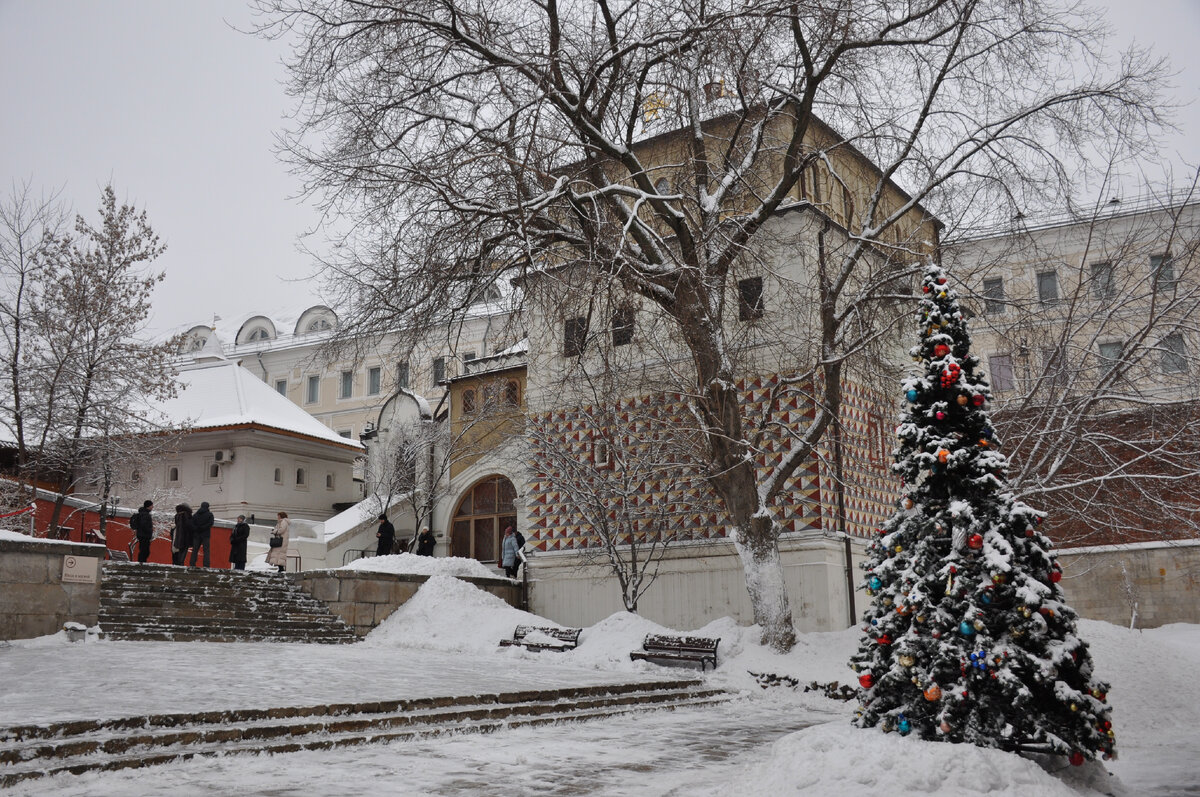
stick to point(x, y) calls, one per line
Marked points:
point(906, 660)
point(962, 401)
point(979, 625)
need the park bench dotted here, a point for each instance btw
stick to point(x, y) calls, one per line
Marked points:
point(690, 649)
point(118, 556)
point(532, 637)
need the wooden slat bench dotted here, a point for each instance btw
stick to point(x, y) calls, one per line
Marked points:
point(691, 649)
point(563, 638)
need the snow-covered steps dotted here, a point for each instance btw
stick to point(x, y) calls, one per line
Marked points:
point(31, 751)
point(162, 602)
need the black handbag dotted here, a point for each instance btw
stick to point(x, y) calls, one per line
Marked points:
point(276, 540)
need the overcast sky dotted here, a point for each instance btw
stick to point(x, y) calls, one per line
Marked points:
point(179, 110)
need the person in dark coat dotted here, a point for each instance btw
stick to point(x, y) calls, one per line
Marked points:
point(425, 542)
point(181, 538)
point(143, 525)
point(386, 536)
point(202, 523)
point(508, 552)
point(237, 543)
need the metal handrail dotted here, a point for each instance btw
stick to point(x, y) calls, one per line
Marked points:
point(362, 554)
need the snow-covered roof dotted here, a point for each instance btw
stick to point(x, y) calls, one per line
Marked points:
point(219, 393)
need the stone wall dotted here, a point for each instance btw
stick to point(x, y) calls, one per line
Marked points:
point(1143, 585)
point(34, 601)
point(365, 599)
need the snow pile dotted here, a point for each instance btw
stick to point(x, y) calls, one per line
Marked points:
point(836, 758)
point(411, 564)
point(451, 615)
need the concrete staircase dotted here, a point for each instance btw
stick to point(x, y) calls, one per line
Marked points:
point(162, 602)
point(33, 751)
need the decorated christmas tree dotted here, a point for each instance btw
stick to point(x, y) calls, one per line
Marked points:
point(968, 638)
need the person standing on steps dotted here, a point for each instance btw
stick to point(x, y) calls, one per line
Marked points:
point(143, 526)
point(278, 554)
point(237, 544)
point(202, 523)
point(425, 542)
point(181, 538)
point(508, 553)
point(386, 536)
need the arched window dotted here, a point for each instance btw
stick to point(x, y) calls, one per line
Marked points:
point(214, 471)
point(299, 477)
point(135, 477)
point(279, 475)
point(480, 518)
point(319, 325)
point(198, 343)
point(328, 481)
point(173, 474)
point(259, 334)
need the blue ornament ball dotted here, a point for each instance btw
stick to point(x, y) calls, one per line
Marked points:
point(911, 395)
point(875, 582)
point(985, 598)
point(966, 629)
point(904, 726)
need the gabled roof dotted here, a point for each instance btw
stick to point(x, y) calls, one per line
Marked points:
point(220, 393)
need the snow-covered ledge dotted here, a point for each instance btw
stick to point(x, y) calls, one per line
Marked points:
point(45, 583)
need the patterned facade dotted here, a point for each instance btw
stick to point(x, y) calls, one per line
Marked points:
point(686, 506)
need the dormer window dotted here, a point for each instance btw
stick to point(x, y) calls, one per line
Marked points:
point(198, 343)
point(259, 334)
point(319, 325)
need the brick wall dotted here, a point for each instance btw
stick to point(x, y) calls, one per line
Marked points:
point(34, 601)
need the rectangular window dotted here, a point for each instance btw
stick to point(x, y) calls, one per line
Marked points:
point(439, 371)
point(1110, 353)
point(600, 455)
point(1000, 366)
point(1047, 283)
point(281, 387)
point(314, 390)
point(622, 326)
point(574, 336)
point(1174, 358)
point(1162, 271)
point(1054, 364)
point(750, 299)
point(993, 296)
point(346, 385)
point(402, 375)
point(1103, 285)
point(468, 356)
point(374, 380)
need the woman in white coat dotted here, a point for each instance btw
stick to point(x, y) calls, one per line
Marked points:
point(278, 555)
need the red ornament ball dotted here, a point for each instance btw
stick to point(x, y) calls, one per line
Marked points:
point(941, 350)
point(1076, 759)
point(941, 416)
point(866, 680)
point(885, 640)
point(1055, 576)
point(977, 399)
point(941, 280)
point(976, 541)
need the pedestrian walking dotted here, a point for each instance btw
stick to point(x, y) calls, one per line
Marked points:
point(181, 538)
point(202, 523)
point(237, 543)
point(508, 553)
point(278, 554)
point(143, 526)
point(386, 536)
point(425, 542)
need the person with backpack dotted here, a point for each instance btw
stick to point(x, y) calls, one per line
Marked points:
point(237, 544)
point(508, 553)
point(181, 538)
point(202, 523)
point(143, 526)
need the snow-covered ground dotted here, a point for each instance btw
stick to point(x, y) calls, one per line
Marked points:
point(777, 741)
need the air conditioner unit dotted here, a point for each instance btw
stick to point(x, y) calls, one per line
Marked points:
point(223, 456)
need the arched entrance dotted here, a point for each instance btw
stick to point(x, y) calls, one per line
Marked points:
point(480, 518)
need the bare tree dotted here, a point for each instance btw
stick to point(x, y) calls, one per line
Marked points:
point(29, 226)
point(660, 143)
point(1090, 341)
point(91, 310)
